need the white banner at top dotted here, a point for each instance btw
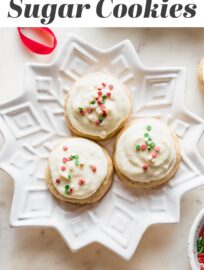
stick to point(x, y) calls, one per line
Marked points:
point(102, 13)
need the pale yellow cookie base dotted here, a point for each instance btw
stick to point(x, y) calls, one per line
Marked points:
point(200, 75)
point(153, 183)
point(93, 198)
point(92, 137)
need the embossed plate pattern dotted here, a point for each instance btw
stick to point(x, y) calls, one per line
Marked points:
point(33, 123)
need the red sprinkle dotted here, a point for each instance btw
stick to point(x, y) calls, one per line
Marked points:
point(70, 190)
point(154, 155)
point(108, 94)
point(93, 168)
point(202, 232)
point(81, 181)
point(157, 149)
point(104, 113)
point(111, 87)
point(97, 122)
point(145, 167)
point(201, 258)
point(104, 84)
point(89, 110)
point(99, 88)
point(103, 107)
point(143, 147)
point(100, 94)
point(65, 160)
point(58, 181)
point(82, 112)
point(63, 168)
point(65, 148)
point(99, 102)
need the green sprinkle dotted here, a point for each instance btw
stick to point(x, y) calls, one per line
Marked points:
point(80, 109)
point(77, 162)
point(66, 189)
point(150, 138)
point(93, 102)
point(104, 97)
point(74, 157)
point(146, 135)
point(137, 147)
point(199, 249)
point(69, 176)
point(149, 148)
point(100, 118)
point(149, 128)
point(152, 145)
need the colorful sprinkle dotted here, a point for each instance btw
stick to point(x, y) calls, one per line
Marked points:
point(76, 162)
point(104, 113)
point(108, 94)
point(104, 84)
point(143, 147)
point(154, 155)
point(99, 88)
point(70, 190)
point(93, 168)
point(82, 111)
point(93, 102)
point(100, 94)
point(137, 147)
point(63, 168)
point(66, 188)
point(65, 148)
point(89, 110)
point(100, 119)
point(58, 181)
point(145, 167)
point(157, 149)
point(146, 135)
point(65, 160)
point(103, 107)
point(149, 128)
point(111, 87)
point(81, 181)
point(69, 176)
point(152, 145)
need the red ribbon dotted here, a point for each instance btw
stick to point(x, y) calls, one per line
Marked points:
point(35, 46)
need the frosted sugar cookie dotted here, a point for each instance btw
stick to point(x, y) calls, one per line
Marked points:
point(147, 153)
point(97, 106)
point(79, 171)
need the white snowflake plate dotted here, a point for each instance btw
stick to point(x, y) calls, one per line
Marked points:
point(33, 123)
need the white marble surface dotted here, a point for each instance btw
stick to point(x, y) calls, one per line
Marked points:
point(162, 246)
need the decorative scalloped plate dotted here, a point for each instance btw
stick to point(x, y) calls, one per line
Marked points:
point(33, 123)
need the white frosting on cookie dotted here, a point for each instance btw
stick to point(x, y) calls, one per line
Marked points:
point(78, 168)
point(97, 104)
point(141, 159)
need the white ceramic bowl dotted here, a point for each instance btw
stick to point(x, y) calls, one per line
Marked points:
point(193, 236)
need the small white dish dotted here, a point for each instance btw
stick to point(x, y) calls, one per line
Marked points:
point(192, 240)
point(33, 123)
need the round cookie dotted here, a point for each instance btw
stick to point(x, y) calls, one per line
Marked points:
point(79, 171)
point(201, 74)
point(147, 153)
point(97, 106)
